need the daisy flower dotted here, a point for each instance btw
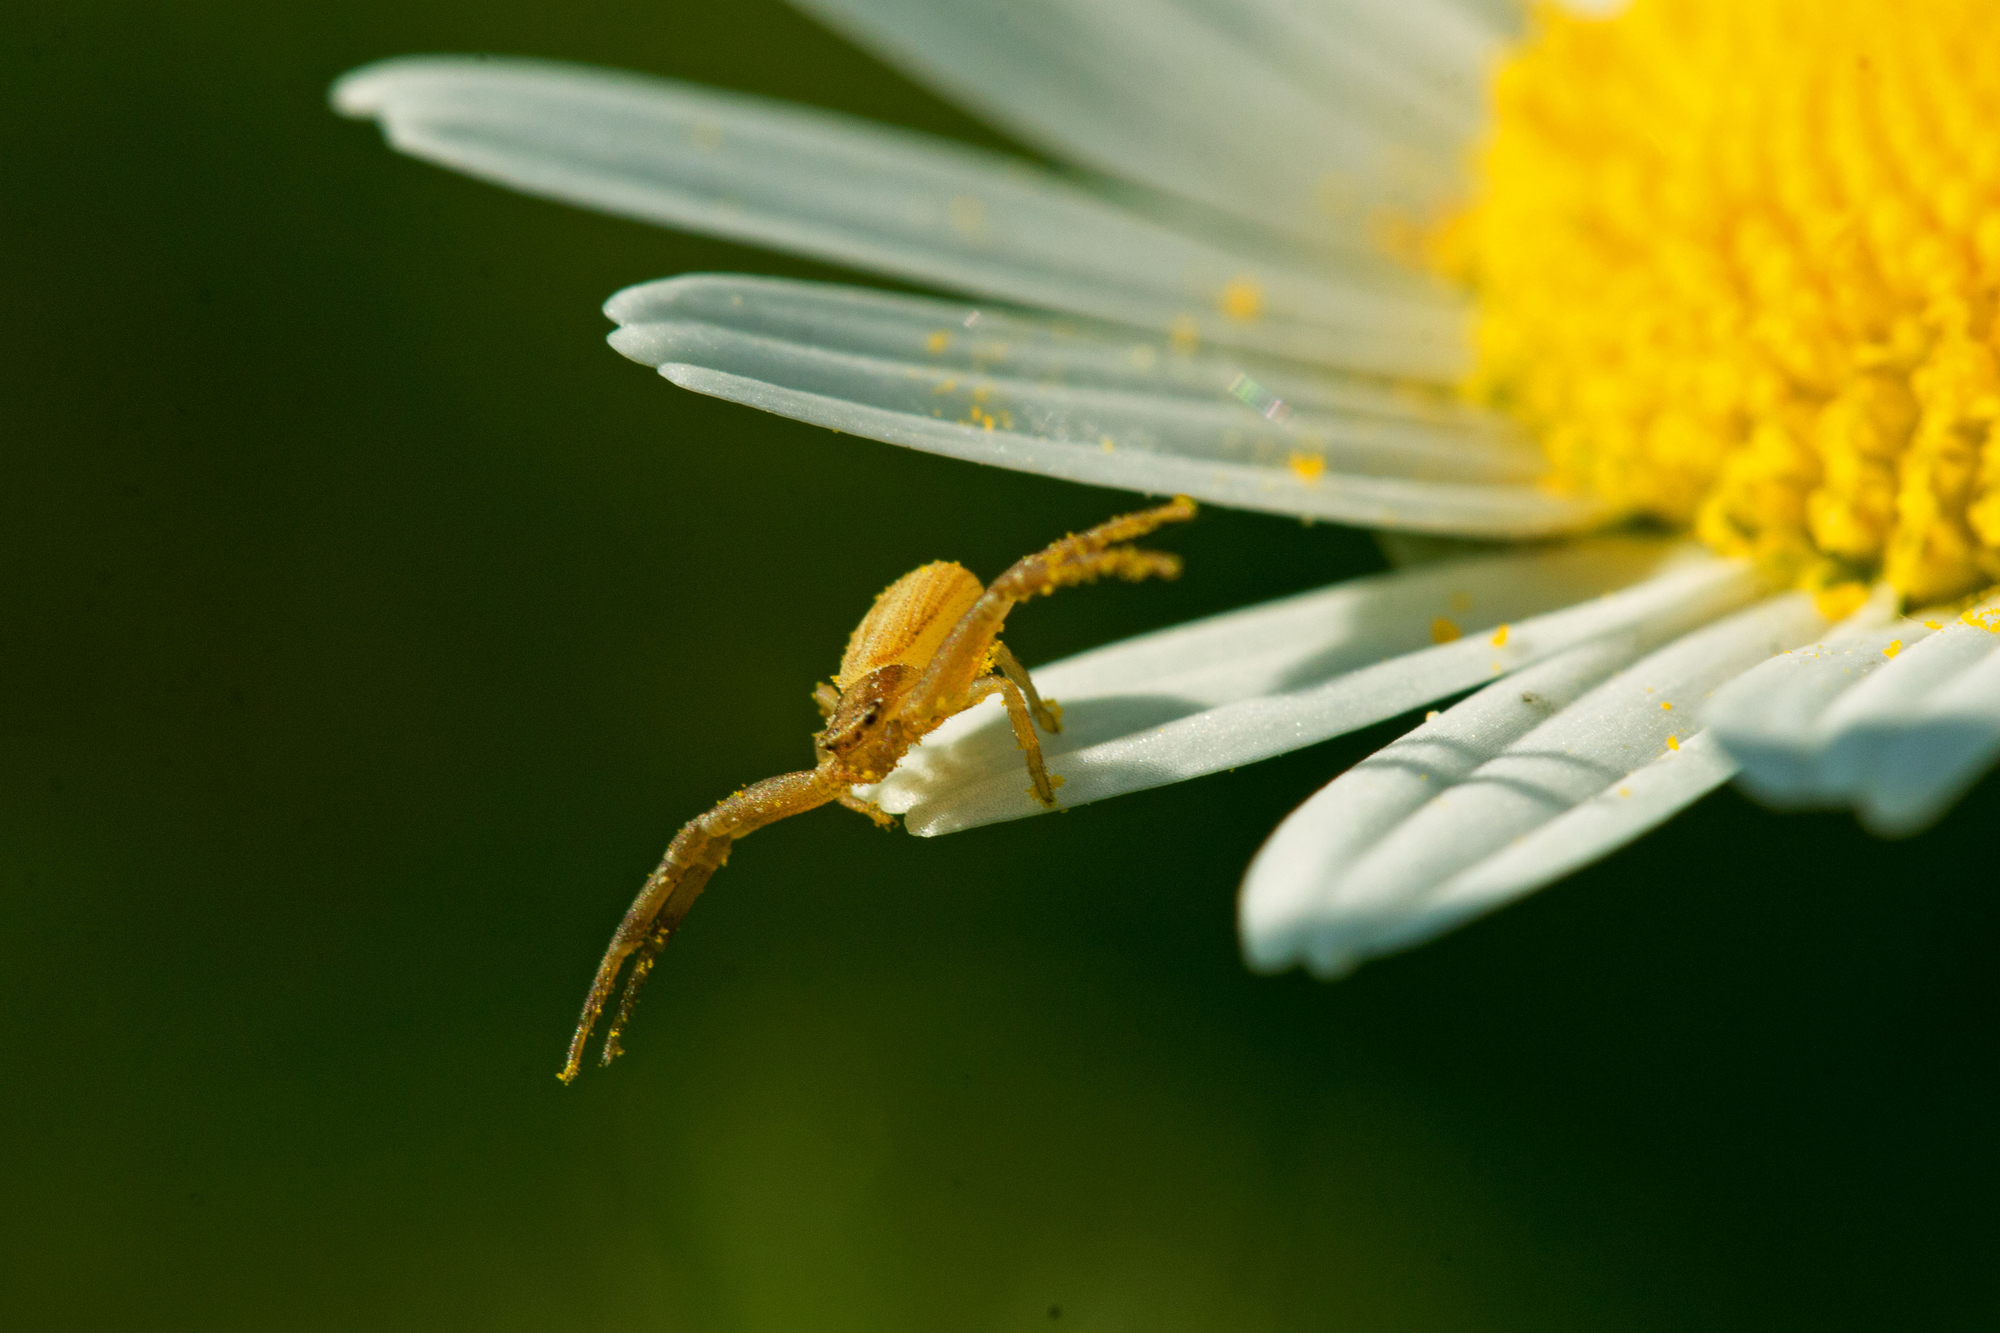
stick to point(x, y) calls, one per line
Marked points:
point(1689, 303)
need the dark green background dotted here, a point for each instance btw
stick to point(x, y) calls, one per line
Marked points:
point(368, 628)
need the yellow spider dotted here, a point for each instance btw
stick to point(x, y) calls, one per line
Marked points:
point(929, 647)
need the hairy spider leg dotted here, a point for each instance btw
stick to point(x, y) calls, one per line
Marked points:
point(697, 851)
point(1024, 730)
point(1080, 558)
point(1047, 713)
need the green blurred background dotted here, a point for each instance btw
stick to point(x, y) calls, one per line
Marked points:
point(369, 626)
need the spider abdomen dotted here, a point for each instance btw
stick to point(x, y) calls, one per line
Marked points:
point(909, 620)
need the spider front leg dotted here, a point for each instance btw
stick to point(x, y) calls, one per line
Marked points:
point(697, 852)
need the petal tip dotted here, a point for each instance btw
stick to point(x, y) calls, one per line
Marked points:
point(365, 91)
point(640, 344)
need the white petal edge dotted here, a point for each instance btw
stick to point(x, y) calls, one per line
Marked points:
point(1342, 881)
point(886, 200)
point(1902, 722)
point(1923, 763)
point(1312, 123)
point(1772, 719)
point(765, 343)
point(1251, 684)
point(1363, 468)
point(1287, 882)
point(1035, 345)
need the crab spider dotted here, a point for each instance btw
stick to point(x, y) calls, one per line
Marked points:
point(928, 648)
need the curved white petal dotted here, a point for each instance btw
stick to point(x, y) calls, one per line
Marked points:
point(1245, 686)
point(1921, 763)
point(785, 348)
point(1286, 887)
point(1897, 724)
point(1773, 719)
point(1314, 119)
point(1515, 803)
point(886, 200)
point(1046, 348)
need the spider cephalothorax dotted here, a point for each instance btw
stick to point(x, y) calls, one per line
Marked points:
point(928, 648)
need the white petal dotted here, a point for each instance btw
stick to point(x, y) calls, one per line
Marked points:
point(1897, 723)
point(1906, 742)
point(887, 200)
point(1773, 719)
point(1251, 684)
point(1514, 808)
point(1313, 121)
point(1925, 762)
point(1648, 797)
point(784, 347)
point(1046, 348)
point(1287, 883)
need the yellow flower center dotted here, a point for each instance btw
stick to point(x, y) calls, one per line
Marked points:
point(1737, 265)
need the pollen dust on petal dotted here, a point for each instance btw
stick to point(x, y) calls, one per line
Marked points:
point(1241, 298)
point(1307, 467)
point(1444, 631)
point(1738, 266)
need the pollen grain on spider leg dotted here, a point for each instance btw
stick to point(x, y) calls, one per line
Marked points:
point(1738, 266)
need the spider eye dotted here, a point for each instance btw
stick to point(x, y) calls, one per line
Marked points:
point(868, 717)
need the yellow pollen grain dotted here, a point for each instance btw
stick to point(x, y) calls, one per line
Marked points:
point(938, 341)
point(1443, 631)
point(1933, 624)
point(1500, 637)
point(1738, 265)
point(1184, 332)
point(1895, 646)
point(1241, 298)
point(1673, 742)
point(1666, 707)
point(1306, 467)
